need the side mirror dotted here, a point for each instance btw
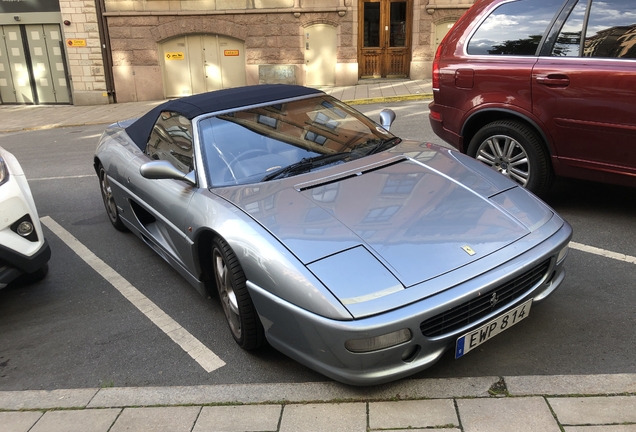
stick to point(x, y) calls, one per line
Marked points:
point(162, 169)
point(387, 117)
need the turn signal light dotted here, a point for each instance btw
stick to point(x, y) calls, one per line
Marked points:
point(378, 342)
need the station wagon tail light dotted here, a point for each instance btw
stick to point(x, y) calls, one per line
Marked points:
point(378, 342)
point(563, 253)
point(438, 55)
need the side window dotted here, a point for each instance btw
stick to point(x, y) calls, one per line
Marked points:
point(611, 30)
point(171, 140)
point(514, 28)
point(568, 43)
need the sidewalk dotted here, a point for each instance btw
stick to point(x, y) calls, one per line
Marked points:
point(15, 118)
point(592, 403)
point(589, 403)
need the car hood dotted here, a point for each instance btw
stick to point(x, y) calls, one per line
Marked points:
point(392, 221)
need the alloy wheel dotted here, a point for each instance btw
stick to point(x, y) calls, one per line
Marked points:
point(225, 287)
point(506, 155)
point(107, 194)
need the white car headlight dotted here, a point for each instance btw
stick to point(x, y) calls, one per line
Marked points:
point(4, 172)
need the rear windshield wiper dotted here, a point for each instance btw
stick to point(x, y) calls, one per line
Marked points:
point(307, 164)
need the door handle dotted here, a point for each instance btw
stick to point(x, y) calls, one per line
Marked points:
point(554, 80)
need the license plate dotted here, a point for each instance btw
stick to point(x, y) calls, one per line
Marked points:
point(472, 340)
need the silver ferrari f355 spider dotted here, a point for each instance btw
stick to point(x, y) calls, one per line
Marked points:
point(359, 254)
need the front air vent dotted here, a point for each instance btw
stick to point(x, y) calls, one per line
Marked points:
point(479, 307)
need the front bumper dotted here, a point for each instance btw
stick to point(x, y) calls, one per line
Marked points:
point(13, 264)
point(319, 342)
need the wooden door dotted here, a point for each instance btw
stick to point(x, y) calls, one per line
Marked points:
point(384, 38)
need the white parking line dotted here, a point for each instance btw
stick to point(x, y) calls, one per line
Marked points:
point(191, 345)
point(604, 253)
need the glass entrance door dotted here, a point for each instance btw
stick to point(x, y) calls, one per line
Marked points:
point(384, 38)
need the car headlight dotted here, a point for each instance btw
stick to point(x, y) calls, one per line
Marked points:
point(378, 342)
point(4, 172)
point(563, 253)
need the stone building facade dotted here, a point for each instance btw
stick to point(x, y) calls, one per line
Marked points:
point(86, 62)
point(156, 43)
point(88, 52)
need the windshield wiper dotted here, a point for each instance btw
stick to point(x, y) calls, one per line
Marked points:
point(306, 165)
point(377, 145)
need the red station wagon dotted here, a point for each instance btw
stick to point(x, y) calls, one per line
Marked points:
point(537, 88)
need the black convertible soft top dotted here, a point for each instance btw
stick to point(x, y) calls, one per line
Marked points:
point(219, 100)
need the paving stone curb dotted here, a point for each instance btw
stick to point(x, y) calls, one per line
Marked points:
point(321, 392)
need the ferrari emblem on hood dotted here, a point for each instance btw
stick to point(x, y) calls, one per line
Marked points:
point(468, 250)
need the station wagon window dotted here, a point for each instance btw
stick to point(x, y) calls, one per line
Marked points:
point(611, 30)
point(568, 43)
point(514, 28)
point(171, 140)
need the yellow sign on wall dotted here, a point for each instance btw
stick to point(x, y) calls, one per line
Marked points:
point(76, 42)
point(175, 56)
point(230, 53)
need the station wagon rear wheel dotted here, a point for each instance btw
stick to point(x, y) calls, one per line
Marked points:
point(514, 150)
point(109, 200)
point(240, 314)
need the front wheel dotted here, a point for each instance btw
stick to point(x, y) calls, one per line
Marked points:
point(513, 149)
point(109, 200)
point(240, 314)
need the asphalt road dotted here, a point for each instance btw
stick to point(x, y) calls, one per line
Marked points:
point(74, 329)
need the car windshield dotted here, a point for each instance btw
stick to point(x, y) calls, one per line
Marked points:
point(249, 146)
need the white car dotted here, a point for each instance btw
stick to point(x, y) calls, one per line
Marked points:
point(24, 252)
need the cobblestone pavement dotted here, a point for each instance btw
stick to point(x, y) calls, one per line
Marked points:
point(589, 403)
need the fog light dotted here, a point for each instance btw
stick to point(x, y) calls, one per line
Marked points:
point(25, 229)
point(378, 342)
point(410, 353)
point(563, 253)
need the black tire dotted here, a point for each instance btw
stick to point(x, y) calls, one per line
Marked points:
point(516, 151)
point(109, 200)
point(240, 314)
